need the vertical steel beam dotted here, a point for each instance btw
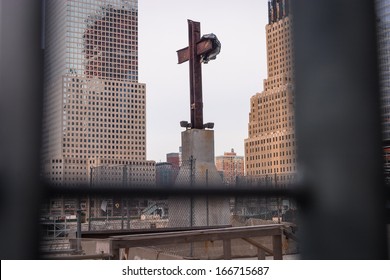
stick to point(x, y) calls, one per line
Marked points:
point(277, 247)
point(227, 249)
point(195, 76)
point(114, 250)
point(338, 129)
point(78, 232)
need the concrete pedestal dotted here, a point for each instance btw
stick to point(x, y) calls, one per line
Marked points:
point(198, 170)
point(198, 166)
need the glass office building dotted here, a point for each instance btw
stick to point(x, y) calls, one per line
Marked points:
point(94, 107)
point(383, 29)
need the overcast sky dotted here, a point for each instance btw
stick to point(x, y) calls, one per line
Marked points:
point(228, 82)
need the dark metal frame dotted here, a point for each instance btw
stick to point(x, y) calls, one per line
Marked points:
point(338, 131)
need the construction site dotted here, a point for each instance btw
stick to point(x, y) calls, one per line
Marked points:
point(257, 230)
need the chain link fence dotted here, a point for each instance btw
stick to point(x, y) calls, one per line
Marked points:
point(115, 213)
point(276, 209)
point(141, 175)
point(119, 213)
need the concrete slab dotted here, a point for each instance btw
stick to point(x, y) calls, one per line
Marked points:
point(198, 169)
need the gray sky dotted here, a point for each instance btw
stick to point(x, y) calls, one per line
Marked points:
point(228, 82)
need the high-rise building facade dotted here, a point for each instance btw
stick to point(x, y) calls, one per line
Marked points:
point(231, 166)
point(270, 149)
point(383, 29)
point(94, 106)
point(174, 159)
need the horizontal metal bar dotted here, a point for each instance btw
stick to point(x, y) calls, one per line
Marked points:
point(194, 236)
point(293, 191)
point(202, 47)
point(93, 235)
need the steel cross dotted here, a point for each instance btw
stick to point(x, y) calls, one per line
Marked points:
point(192, 53)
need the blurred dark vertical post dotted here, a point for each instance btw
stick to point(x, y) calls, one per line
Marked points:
point(78, 232)
point(338, 129)
point(20, 117)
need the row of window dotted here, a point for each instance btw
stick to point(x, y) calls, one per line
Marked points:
point(271, 128)
point(129, 98)
point(262, 164)
point(78, 29)
point(112, 102)
point(80, 153)
point(267, 124)
point(104, 107)
point(267, 121)
point(83, 93)
point(117, 135)
point(275, 81)
point(132, 114)
point(263, 147)
point(79, 82)
point(269, 171)
point(270, 140)
point(256, 154)
point(130, 164)
point(269, 97)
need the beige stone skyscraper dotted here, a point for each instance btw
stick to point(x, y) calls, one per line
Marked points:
point(94, 106)
point(231, 166)
point(270, 149)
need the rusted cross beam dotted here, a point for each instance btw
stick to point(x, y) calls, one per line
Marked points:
point(202, 47)
point(192, 53)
